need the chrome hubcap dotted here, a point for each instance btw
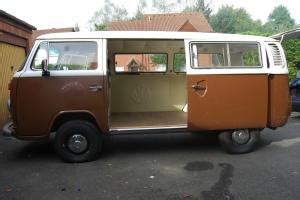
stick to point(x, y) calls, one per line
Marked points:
point(241, 136)
point(77, 143)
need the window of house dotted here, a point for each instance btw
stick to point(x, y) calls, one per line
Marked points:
point(225, 55)
point(144, 62)
point(67, 56)
point(179, 62)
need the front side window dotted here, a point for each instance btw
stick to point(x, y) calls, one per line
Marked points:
point(40, 55)
point(67, 56)
point(72, 56)
point(225, 55)
point(143, 62)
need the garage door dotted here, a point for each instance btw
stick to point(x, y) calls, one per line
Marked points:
point(11, 57)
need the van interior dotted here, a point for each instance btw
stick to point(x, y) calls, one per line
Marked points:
point(147, 84)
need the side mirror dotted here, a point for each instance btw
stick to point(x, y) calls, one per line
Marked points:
point(45, 68)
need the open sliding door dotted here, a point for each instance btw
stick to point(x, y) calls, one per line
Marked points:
point(227, 85)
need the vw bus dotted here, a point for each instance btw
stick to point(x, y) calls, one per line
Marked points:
point(82, 86)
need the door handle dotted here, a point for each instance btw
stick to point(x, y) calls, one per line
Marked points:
point(198, 87)
point(95, 88)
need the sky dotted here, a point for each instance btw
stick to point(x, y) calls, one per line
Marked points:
point(64, 13)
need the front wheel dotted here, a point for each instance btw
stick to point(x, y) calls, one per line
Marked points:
point(78, 141)
point(239, 141)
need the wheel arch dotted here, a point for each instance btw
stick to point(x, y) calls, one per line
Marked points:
point(65, 116)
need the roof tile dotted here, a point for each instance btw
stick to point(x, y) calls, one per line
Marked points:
point(163, 22)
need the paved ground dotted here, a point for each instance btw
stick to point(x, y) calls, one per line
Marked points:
point(173, 166)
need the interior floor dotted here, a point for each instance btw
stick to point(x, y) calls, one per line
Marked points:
point(140, 120)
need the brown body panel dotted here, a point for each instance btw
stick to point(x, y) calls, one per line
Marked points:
point(227, 101)
point(13, 99)
point(41, 99)
point(280, 100)
point(223, 102)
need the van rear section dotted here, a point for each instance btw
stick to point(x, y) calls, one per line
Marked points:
point(278, 83)
point(233, 85)
point(279, 101)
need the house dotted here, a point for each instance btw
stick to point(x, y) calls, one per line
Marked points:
point(187, 21)
point(15, 39)
point(135, 63)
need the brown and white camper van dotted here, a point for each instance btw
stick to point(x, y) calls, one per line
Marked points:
point(81, 86)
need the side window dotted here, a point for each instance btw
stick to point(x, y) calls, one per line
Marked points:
point(244, 55)
point(143, 62)
point(179, 64)
point(40, 55)
point(225, 55)
point(72, 56)
point(210, 55)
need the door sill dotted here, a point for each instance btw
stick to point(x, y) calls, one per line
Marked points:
point(143, 130)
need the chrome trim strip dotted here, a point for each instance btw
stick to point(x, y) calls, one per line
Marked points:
point(148, 128)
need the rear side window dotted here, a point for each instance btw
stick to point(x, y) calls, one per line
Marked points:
point(225, 55)
point(67, 56)
point(142, 62)
point(243, 54)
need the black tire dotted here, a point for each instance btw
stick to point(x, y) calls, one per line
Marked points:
point(227, 142)
point(75, 127)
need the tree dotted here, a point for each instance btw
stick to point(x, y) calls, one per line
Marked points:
point(179, 62)
point(236, 20)
point(142, 5)
point(163, 6)
point(280, 20)
point(292, 53)
point(199, 6)
point(224, 20)
point(108, 13)
point(258, 28)
point(159, 58)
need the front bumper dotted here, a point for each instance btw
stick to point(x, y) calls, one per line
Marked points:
point(8, 129)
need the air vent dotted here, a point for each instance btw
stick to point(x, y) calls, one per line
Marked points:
point(276, 55)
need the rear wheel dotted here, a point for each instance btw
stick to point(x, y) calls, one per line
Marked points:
point(78, 141)
point(239, 141)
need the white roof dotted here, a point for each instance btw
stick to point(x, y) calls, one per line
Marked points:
point(154, 35)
